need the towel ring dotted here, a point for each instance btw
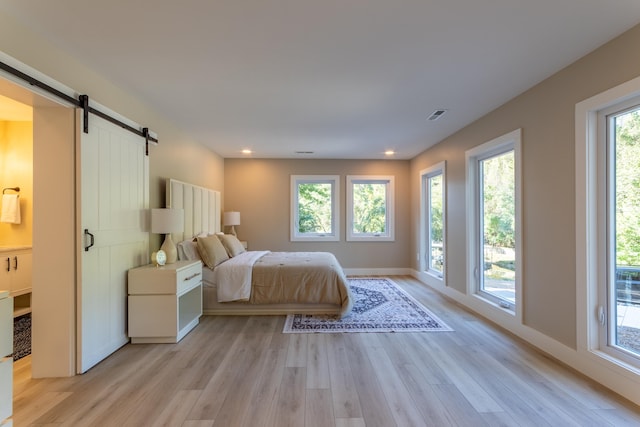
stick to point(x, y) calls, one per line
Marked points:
point(16, 189)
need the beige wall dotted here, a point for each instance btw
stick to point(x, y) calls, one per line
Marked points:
point(16, 158)
point(260, 191)
point(54, 240)
point(55, 237)
point(176, 156)
point(546, 115)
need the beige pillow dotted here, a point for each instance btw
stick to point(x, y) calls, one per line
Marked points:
point(211, 251)
point(231, 244)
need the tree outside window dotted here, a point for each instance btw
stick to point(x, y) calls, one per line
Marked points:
point(370, 208)
point(314, 208)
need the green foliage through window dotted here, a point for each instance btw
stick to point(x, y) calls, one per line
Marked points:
point(627, 187)
point(314, 207)
point(499, 200)
point(369, 208)
point(436, 258)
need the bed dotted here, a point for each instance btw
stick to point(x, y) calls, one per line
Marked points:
point(240, 282)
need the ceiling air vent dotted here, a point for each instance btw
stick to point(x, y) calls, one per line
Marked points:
point(436, 115)
point(304, 152)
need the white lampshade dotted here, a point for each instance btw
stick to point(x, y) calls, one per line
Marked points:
point(167, 221)
point(231, 218)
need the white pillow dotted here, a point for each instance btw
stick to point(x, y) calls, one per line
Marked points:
point(188, 250)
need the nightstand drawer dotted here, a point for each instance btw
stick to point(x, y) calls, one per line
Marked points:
point(189, 277)
point(167, 279)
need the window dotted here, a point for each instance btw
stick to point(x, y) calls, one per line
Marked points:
point(433, 221)
point(494, 221)
point(370, 208)
point(605, 278)
point(314, 208)
point(619, 293)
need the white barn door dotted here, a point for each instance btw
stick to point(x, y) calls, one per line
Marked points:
point(114, 182)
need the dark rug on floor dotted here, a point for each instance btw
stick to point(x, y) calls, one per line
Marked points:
point(21, 336)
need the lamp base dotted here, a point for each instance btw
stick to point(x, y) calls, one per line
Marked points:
point(233, 230)
point(170, 249)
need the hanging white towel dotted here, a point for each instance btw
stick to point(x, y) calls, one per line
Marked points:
point(10, 209)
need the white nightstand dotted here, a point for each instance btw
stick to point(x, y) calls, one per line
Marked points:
point(165, 303)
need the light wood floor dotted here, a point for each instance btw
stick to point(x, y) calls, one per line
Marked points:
point(242, 371)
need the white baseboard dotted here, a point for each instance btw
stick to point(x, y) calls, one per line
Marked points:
point(616, 377)
point(378, 271)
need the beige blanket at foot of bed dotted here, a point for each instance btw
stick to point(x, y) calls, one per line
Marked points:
point(300, 277)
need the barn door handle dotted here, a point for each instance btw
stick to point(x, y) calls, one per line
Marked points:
point(15, 259)
point(8, 264)
point(91, 239)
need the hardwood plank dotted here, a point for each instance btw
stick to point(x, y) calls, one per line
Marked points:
point(427, 402)
point(264, 398)
point(346, 403)
point(93, 391)
point(291, 399)
point(235, 405)
point(36, 410)
point(373, 403)
point(413, 349)
point(232, 367)
point(520, 399)
point(317, 364)
point(579, 414)
point(297, 351)
point(137, 405)
point(89, 416)
point(197, 423)
point(350, 422)
point(175, 413)
point(280, 341)
point(622, 417)
point(507, 355)
point(458, 407)
point(318, 408)
point(592, 395)
point(466, 384)
point(499, 419)
point(399, 399)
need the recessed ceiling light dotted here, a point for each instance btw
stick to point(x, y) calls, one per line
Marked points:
point(389, 153)
point(246, 151)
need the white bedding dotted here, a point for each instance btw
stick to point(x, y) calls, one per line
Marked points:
point(233, 277)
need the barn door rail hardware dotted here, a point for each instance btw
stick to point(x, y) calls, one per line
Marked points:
point(81, 102)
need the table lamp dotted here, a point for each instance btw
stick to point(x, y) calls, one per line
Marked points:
point(231, 219)
point(167, 221)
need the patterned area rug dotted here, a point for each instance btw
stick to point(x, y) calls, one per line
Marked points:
point(380, 305)
point(21, 336)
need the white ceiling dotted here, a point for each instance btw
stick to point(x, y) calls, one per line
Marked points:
point(340, 78)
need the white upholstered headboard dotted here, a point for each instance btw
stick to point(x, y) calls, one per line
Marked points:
point(201, 208)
